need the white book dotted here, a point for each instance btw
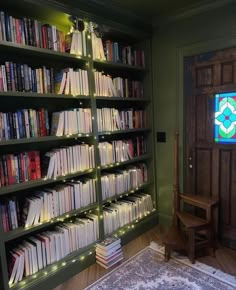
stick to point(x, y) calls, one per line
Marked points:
point(51, 166)
point(63, 83)
point(84, 43)
point(37, 244)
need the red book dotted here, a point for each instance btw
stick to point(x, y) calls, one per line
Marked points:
point(37, 165)
point(2, 176)
point(44, 36)
point(18, 35)
point(32, 165)
point(9, 169)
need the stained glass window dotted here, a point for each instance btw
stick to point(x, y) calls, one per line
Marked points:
point(225, 118)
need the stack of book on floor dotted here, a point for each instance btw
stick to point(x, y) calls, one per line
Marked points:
point(109, 252)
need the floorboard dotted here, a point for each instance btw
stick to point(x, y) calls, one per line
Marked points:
point(225, 260)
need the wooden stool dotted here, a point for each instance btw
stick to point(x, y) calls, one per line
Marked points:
point(174, 240)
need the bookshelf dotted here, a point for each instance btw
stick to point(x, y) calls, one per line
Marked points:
point(56, 13)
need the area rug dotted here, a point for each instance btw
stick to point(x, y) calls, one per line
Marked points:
point(148, 271)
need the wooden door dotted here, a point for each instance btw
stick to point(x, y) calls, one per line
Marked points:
point(210, 167)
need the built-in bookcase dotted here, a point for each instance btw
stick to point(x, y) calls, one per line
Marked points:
point(133, 170)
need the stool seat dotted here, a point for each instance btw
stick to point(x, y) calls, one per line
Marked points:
point(191, 221)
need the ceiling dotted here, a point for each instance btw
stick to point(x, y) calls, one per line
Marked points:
point(152, 9)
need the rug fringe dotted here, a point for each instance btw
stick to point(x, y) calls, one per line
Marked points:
point(217, 274)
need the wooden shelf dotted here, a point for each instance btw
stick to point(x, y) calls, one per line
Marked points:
point(43, 139)
point(128, 131)
point(126, 193)
point(120, 99)
point(130, 226)
point(71, 264)
point(40, 182)
point(52, 275)
point(10, 47)
point(56, 269)
point(117, 66)
point(21, 231)
point(130, 161)
point(41, 96)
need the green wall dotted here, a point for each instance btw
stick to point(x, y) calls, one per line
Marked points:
point(208, 31)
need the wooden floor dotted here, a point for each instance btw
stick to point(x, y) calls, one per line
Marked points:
point(225, 260)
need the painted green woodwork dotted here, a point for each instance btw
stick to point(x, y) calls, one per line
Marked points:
point(55, 12)
point(191, 35)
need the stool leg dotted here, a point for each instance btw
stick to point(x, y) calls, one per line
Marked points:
point(167, 253)
point(212, 240)
point(191, 245)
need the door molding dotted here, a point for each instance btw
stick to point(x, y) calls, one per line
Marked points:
point(181, 52)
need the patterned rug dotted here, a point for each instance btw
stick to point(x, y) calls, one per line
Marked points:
point(148, 271)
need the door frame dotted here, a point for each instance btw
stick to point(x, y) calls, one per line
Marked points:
point(181, 52)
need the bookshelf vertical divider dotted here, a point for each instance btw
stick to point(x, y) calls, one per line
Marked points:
point(96, 136)
point(77, 260)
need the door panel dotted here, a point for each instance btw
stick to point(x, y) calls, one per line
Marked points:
point(210, 168)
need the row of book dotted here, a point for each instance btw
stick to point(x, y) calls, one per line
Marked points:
point(97, 47)
point(115, 52)
point(43, 249)
point(121, 150)
point(111, 119)
point(72, 82)
point(44, 205)
point(15, 77)
point(124, 211)
point(31, 32)
point(19, 167)
point(121, 181)
point(29, 123)
point(126, 88)
point(69, 122)
point(25, 123)
point(107, 86)
point(109, 252)
point(67, 160)
point(75, 43)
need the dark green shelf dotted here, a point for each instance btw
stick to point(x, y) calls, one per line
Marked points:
point(120, 99)
point(124, 131)
point(43, 139)
point(40, 182)
point(126, 193)
point(56, 269)
point(130, 226)
point(113, 65)
point(42, 96)
point(21, 231)
point(10, 47)
point(76, 261)
point(130, 161)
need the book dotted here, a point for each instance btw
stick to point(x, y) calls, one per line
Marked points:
point(108, 243)
point(109, 265)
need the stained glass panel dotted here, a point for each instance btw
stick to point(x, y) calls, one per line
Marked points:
point(225, 118)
